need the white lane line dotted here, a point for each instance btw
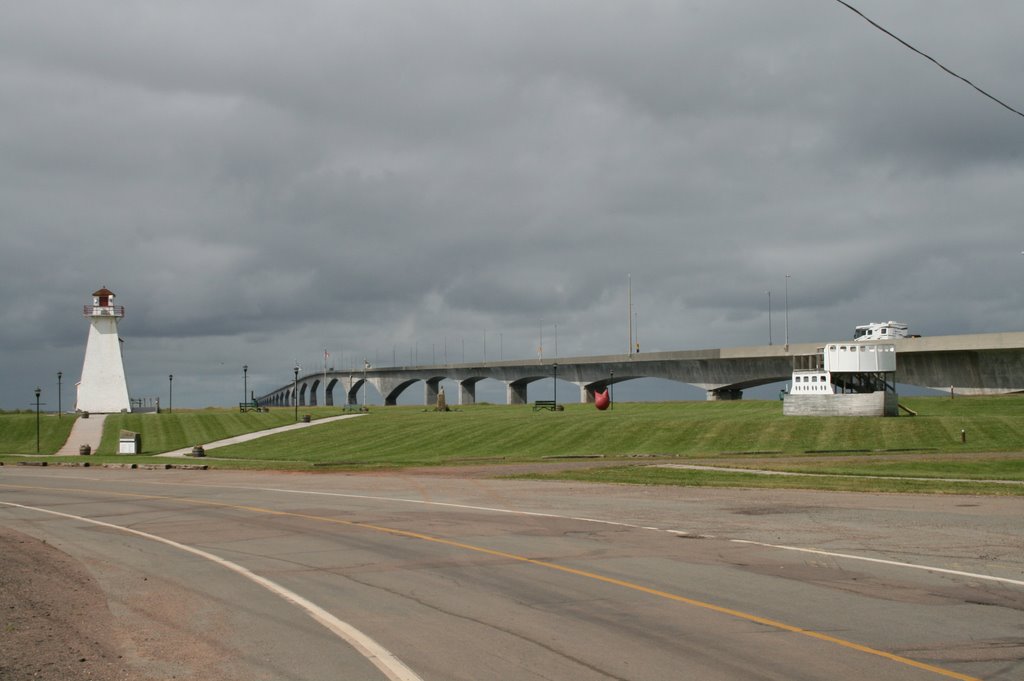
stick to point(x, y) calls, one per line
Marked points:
point(378, 655)
point(682, 533)
point(882, 561)
point(914, 566)
point(761, 471)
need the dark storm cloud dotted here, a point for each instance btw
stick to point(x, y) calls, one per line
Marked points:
point(259, 181)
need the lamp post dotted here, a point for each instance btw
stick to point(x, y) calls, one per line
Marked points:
point(170, 393)
point(38, 392)
point(60, 375)
point(769, 317)
point(611, 382)
point(295, 393)
point(366, 365)
point(245, 382)
point(554, 368)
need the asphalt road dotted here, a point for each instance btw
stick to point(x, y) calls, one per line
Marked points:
point(235, 575)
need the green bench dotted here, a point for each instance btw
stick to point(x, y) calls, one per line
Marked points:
point(248, 406)
point(550, 405)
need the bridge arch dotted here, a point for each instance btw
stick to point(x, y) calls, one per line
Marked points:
point(389, 388)
point(516, 390)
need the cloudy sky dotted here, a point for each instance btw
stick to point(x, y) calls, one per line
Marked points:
point(259, 181)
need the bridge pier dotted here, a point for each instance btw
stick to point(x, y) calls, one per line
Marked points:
point(467, 392)
point(515, 392)
point(724, 394)
point(432, 387)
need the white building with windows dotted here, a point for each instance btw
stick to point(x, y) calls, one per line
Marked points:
point(845, 379)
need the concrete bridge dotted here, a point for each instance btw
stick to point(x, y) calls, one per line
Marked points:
point(974, 364)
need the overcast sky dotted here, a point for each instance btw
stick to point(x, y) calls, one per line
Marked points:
point(259, 181)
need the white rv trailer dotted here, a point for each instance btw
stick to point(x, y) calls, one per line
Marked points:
point(876, 331)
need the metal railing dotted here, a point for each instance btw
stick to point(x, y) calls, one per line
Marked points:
point(103, 310)
point(145, 405)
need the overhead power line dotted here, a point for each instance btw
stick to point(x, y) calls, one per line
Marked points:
point(928, 57)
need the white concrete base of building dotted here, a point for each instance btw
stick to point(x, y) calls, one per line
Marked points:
point(849, 404)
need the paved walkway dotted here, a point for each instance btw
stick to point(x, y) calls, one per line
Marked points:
point(758, 471)
point(260, 433)
point(85, 432)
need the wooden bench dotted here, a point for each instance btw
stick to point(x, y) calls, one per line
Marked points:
point(248, 406)
point(545, 404)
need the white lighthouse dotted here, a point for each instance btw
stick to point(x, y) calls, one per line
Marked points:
point(103, 388)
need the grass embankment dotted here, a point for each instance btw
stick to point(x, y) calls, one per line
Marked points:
point(751, 434)
point(166, 432)
point(407, 436)
point(18, 433)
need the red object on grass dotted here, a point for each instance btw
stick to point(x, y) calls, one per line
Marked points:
point(602, 400)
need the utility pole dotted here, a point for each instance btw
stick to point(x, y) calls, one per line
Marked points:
point(629, 312)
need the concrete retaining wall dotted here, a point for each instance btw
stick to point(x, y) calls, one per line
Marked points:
point(865, 404)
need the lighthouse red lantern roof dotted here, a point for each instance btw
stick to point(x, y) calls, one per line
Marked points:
point(102, 305)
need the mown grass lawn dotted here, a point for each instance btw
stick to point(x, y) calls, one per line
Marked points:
point(18, 432)
point(977, 467)
point(738, 431)
point(166, 432)
point(407, 436)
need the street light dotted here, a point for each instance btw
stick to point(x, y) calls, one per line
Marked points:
point(366, 365)
point(245, 382)
point(295, 393)
point(170, 393)
point(555, 384)
point(60, 375)
point(38, 392)
point(611, 382)
point(769, 317)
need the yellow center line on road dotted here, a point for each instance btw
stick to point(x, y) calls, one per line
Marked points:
point(739, 614)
